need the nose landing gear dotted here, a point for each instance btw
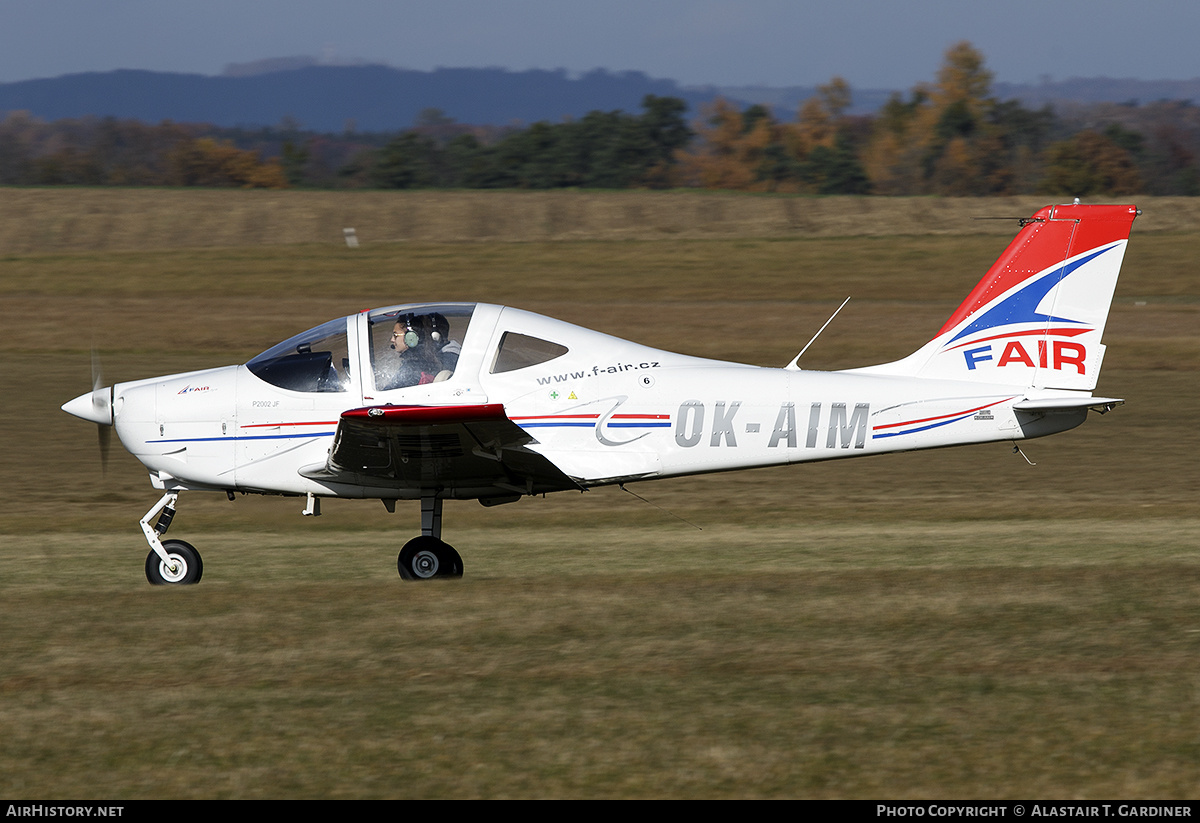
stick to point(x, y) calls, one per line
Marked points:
point(171, 562)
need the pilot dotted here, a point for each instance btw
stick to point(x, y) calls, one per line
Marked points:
point(450, 349)
point(418, 359)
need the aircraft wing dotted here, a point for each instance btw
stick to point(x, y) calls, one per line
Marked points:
point(463, 451)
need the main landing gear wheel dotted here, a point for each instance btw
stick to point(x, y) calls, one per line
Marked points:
point(186, 568)
point(425, 557)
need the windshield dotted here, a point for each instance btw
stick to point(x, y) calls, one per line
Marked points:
point(313, 361)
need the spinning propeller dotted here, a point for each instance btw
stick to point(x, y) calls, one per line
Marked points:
point(96, 406)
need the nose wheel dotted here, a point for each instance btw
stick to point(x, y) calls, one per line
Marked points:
point(182, 567)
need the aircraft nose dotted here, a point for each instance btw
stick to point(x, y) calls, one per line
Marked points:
point(94, 406)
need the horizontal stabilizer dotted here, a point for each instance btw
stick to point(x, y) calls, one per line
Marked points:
point(1049, 404)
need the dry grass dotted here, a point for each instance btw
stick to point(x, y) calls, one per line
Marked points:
point(892, 659)
point(940, 624)
point(66, 219)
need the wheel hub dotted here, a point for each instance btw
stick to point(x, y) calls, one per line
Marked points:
point(425, 563)
point(175, 571)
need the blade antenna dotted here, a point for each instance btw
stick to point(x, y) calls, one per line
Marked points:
point(660, 508)
point(796, 359)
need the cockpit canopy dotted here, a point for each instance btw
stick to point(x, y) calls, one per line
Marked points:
point(406, 345)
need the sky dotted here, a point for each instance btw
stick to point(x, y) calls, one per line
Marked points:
point(878, 44)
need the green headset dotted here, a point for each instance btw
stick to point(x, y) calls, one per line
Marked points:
point(412, 338)
point(412, 334)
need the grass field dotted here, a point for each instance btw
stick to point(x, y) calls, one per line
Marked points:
point(941, 624)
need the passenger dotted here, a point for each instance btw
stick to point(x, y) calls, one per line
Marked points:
point(418, 360)
point(450, 349)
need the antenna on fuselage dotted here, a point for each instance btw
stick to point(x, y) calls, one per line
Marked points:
point(796, 359)
point(660, 508)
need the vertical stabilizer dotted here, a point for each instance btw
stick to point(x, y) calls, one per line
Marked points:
point(1037, 316)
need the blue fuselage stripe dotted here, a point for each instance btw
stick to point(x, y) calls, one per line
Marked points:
point(922, 428)
point(246, 437)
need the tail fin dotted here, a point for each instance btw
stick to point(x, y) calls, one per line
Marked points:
point(1037, 316)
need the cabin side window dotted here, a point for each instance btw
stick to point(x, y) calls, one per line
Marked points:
point(519, 351)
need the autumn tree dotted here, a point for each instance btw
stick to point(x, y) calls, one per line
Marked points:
point(208, 162)
point(752, 151)
point(1089, 163)
point(819, 118)
point(953, 137)
point(824, 145)
point(721, 158)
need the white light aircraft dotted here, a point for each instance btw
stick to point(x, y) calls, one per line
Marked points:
point(471, 401)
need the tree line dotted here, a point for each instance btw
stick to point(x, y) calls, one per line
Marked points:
point(950, 137)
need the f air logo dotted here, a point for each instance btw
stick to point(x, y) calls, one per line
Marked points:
point(1052, 354)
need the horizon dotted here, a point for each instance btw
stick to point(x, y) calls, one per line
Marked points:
point(252, 68)
point(872, 44)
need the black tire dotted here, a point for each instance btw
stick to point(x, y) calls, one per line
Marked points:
point(188, 572)
point(452, 565)
point(424, 558)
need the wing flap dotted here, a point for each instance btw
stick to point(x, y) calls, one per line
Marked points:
point(461, 451)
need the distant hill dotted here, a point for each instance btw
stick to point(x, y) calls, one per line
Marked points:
point(335, 98)
point(1100, 90)
point(375, 98)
